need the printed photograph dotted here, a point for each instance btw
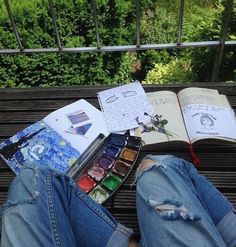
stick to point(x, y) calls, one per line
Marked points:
point(81, 130)
point(77, 117)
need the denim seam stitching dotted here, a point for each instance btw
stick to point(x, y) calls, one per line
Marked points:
point(94, 209)
point(51, 209)
point(120, 228)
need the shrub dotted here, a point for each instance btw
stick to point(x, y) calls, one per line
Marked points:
point(176, 71)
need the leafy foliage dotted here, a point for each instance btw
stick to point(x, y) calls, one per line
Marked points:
point(159, 24)
point(202, 22)
point(176, 71)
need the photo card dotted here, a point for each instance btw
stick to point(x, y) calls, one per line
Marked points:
point(80, 130)
point(78, 117)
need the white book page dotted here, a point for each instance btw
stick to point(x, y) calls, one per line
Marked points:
point(166, 105)
point(79, 123)
point(122, 105)
point(205, 96)
point(206, 121)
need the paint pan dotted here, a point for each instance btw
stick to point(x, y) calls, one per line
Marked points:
point(112, 151)
point(128, 154)
point(121, 168)
point(105, 165)
point(97, 173)
point(99, 195)
point(133, 142)
point(86, 183)
point(105, 162)
point(111, 182)
point(118, 140)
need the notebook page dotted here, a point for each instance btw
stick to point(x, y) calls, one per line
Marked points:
point(124, 106)
point(79, 116)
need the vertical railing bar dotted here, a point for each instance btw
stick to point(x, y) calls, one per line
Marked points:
point(94, 5)
point(55, 24)
point(224, 32)
point(13, 24)
point(180, 25)
point(137, 4)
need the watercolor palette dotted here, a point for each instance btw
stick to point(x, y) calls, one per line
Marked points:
point(105, 165)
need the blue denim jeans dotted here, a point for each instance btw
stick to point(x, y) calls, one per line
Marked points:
point(175, 206)
point(178, 207)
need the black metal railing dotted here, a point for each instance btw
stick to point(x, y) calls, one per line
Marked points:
point(221, 43)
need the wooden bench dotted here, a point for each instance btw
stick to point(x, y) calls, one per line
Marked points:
point(21, 107)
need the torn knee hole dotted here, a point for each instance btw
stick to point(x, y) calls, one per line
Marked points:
point(145, 164)
point(173, 210)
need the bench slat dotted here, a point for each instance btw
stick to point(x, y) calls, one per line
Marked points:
point(91, 91)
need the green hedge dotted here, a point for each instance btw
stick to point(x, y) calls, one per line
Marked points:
point(117, 27)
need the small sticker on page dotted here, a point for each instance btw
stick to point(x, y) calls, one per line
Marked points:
point(81, 130)
point(78, 117)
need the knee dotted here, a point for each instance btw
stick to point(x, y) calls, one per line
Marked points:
point(25, 184)
point(146, 173)
point(164, 161)
point(151, 161)
point(157, 168)
point(144, 165)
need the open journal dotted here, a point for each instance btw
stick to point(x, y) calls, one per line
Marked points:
point(192, 116)
point(56, 141)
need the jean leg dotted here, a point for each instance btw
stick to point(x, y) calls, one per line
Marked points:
point(208, 194)
point(45, 208)
point(216, 204)
point(92, 224)
point(169, 210)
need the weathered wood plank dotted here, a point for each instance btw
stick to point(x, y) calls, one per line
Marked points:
point(91, 91)
point(3, 196)
point(22, 117)
point(50, 105)
point(39, 105)
point(7, 130)
point(27, 117)
point(129, 220)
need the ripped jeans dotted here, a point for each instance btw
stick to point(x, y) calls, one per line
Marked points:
point(178, 207)
point(45, 208)
point(175, 207)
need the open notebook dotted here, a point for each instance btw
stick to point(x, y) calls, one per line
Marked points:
point(194, 115)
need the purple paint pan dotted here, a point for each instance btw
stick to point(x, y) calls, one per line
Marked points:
point(105, 162)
